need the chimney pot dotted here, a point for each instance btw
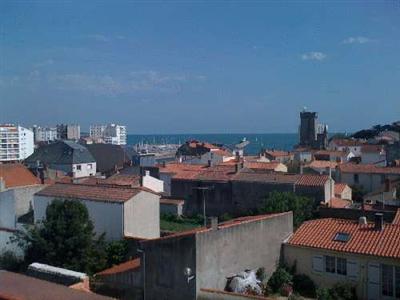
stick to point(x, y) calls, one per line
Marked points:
point(379, 221)
point(362, 220)
point(212, 223)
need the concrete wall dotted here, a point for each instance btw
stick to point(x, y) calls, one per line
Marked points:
point(228, 251)
point(164, 263)
point(152, 183)
point(368, 181)
point(106, 216)
point(166, 178)
point(142, 216)
point(373, 158)
point(303, 257)
point(5, 244)
point(15, 202)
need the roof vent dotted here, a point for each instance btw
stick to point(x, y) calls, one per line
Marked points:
point(362, 221)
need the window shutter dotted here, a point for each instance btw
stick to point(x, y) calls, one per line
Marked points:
point(318, 263)
point(352, 269)
point(374, 281)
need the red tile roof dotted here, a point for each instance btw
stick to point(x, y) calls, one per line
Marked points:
point(363, 238)
point(15, 175)
point(89, 192)
point(126, 266)
point(340, 187)
point(278, 153)
point(330, 153)
point(262, 165)
point(312, 180)
point(396, 219)
point(20, 287)
point(372, 149)
point(267, 177)
point(368, 168)
point(182, 170)
point(339, 203)
point(347, 142)
point(322, 164)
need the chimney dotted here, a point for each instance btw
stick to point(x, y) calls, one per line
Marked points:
point(2, 184)
point(237, 156)
point(379, 221)
point(209, 163)
point(212, 223)
point(146, 173)
point(301, 169)
point(362, 221)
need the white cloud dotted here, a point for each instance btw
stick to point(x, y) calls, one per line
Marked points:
point(313, 56)
point(357, 40)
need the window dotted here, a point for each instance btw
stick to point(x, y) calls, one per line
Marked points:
point(387, 280)
point(342, 237)
point(89, 166)
point(356, 179)
point(330, 263)
point(78, 167)
point(390, 281)
point(341, 266)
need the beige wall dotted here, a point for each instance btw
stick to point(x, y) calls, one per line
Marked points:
point(142, 216)
point(303, 257)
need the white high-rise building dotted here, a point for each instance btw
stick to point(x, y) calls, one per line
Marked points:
point(44, 134)
point(73, 132)
point(16, 143)
point(111, 133)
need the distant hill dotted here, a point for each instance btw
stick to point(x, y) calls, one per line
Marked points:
point(376, 130)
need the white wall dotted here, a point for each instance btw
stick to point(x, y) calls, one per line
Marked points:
point(7, 209)
point(142, 216)
point(152, 183)
point(106, 216)
point(87, 169)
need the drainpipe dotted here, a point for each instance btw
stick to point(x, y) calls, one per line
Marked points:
point(143, 260)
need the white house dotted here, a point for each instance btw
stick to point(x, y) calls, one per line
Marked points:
point(346, 145)
point(116, 211)
point(373, 154)
point(17, 187)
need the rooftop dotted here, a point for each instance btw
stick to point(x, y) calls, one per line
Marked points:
point(363, 239)
point(322, 164)
point(16, 175)
point(89, 192)
point(277, 153)
point(347, 142)
point(368, 168)
point(126, 266)
point(340, 187)
point(15, 286)
point(269, 166)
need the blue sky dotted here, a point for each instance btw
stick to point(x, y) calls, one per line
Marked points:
point(200, 66)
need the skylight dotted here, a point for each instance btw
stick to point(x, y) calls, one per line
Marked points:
point(342, 237)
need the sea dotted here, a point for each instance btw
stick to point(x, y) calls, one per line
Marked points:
point(282, 141)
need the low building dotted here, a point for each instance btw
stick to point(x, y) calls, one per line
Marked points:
point(16, 143)
point(180, 265)
point(303, 155)
point(331, 155)
point(367, 176)
point(343, 191)
point(278, 155)
point(15, 286)
point(195, 152)
point(69, 157)
point(109, 158)
point(17, 187)
point(365, 255)
point(373, 154)
point(119, 212)
point(346, 145)
point(274, 166)
point(171, 206)
point(322, 167)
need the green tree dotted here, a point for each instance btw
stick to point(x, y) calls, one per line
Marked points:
point(66, 239)
point(301, 206)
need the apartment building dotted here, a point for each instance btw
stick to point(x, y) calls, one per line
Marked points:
point(16, 143)
point(73, 132)
point(44, 134)
point(110, 133)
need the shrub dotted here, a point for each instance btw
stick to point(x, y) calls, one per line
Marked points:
point(260, 273)
point(344, 291)
point(10, 262)
point(278, 279)
point(303, 285)
point(323, 294)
